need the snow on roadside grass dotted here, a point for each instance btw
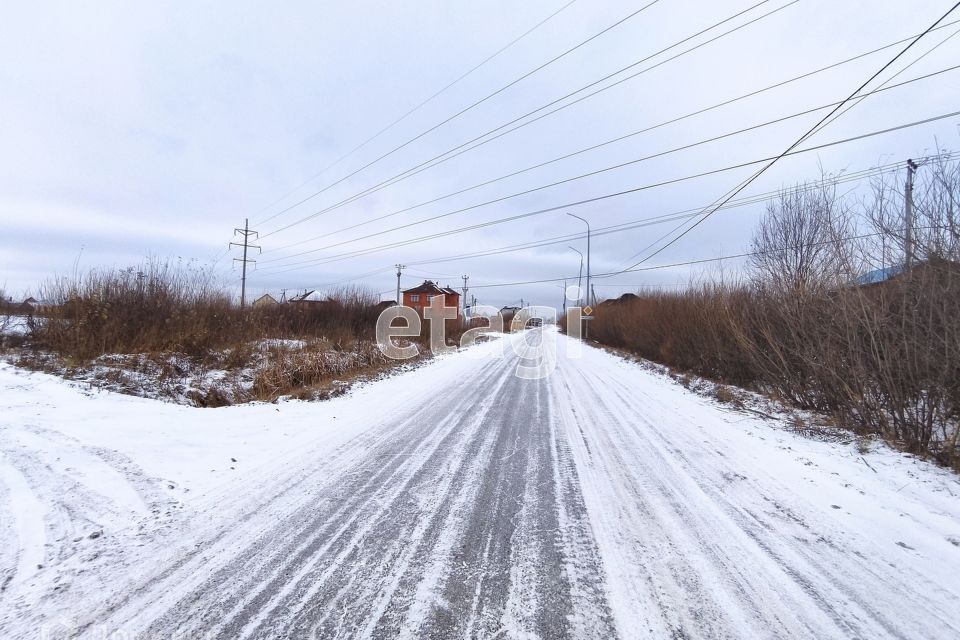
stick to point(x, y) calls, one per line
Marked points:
point(14, 325)
point(259, 370)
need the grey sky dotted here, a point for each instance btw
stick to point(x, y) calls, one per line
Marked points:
point(135, 129)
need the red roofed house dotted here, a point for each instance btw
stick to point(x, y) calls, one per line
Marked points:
point(419, 297)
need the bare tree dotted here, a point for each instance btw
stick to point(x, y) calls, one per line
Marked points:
point(796, 244)
point(6, 315)
point(935, 222)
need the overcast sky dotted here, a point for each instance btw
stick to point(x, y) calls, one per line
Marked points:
point(153, 129)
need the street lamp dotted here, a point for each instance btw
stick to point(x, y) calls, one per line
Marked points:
point(586, 331)
point(588, 252)
point(579, 277)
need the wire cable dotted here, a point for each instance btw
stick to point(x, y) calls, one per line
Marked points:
point(817, 127)
point(718, 105)
point(649, 221)
point(549, 104)
point(582, 176)
point(410, 112)
point(473, 105)
point(616, 194)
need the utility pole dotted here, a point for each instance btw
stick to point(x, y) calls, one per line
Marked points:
point(246, 233)
point(465, 289)
point(908, 214)
point(400, 268)
point(564, 297)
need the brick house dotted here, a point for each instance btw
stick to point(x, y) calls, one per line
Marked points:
point(419, 297)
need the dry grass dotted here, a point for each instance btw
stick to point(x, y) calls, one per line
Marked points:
point(881, 359)
point(146, 319)
point(156, 307)
point(313, 371)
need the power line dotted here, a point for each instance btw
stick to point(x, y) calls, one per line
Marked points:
point(412, 111)
point(826, 123)
point(617, 193)
point(674, 120)
point(686, 263)
point(570, 179)
point(743, 185)
point(860, 98)
point(553, 102)
point(684, 214)
point(472, 106)
point(649, 221)
point(420, 168)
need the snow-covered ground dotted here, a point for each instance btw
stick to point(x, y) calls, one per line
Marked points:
point(15, 326)
point(457, 499)
point(217, 379)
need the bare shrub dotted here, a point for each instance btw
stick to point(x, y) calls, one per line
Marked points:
point(347, 315)
point(172, 313)
point(158, 306)
point(295, 370)
point(882, 355)
point(7, 308)
point(794, 245)
point(725, 395)
point(689, 331)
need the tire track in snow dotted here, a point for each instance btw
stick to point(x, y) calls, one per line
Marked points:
point(844, 588)
point(768, 578)
point(592, 504)
point(238, 589)
point(468, 513)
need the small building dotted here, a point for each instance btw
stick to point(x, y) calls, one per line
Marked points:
point(31, 305)
point(266, 300)
point(310, 299)
point(879, 276)
point(420, 297)
point(626, 298)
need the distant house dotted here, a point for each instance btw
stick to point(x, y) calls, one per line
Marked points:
point(878, 276)
point(385, 304)
point(31, 305)
point(420, 297)
point(624, 299)
point(932, 268)
point(266, 300)
point(508, 312)
point(303, 297)
point(309, 299)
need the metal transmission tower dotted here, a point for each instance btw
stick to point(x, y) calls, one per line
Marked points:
point(246, 234)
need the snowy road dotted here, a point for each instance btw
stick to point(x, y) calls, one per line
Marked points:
point(460, 500)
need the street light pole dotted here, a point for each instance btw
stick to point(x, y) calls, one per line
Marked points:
point(579, 278)
point(586, 330)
